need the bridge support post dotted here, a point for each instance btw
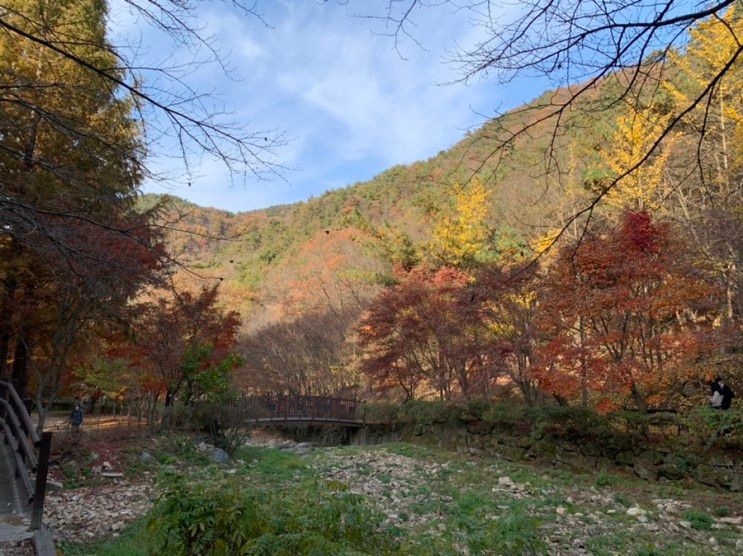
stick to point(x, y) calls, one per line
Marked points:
point(37, 509)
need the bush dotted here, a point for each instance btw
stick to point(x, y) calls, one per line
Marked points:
point(222, 516)
point(570, 423)
point(224, 422)
point(708, 426)
point(378, 412)
point(418, 412)
point(508, 418)
point(699, 520)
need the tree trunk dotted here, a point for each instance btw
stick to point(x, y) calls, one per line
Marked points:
point(6, 322)
point(583, 369)
point(639, 399)
point(4, 349)
point(21, 357)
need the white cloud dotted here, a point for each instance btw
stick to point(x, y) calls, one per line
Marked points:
point(383, 106)
point(351, 104)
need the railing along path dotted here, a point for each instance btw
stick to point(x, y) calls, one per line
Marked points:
point(30, 451)
point(305, 409)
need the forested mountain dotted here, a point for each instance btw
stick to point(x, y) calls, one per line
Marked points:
point(303, 275)
point(262, 255)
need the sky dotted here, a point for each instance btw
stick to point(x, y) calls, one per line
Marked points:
point(349, 103)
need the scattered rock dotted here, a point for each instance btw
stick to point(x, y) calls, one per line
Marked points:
point(505, 481)
point(146, 457)
point(634, 511)
point(204, 447)
point(96, 512)
point(731, 520)
point(302, 448)
point(219, 455)
point(561, 510)
point(107, 465)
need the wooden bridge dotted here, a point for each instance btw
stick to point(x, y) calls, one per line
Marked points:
point(313, 410)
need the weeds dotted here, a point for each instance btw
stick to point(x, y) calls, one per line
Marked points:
point(699, 520)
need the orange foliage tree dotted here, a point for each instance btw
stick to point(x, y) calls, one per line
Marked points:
point(625, 313)
point(426, 335)
point(180, 339)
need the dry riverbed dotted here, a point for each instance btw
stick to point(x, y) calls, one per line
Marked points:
point(435, 501)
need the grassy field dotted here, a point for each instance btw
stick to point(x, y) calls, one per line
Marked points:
point(406, 499)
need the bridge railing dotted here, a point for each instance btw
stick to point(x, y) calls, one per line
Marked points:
point(321, 408)
point(30, 450)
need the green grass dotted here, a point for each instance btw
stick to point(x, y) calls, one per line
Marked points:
point(722, 511)
point(278, 502)
point(699, 520)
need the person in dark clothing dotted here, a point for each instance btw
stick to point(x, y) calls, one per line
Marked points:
point(721, 395)
point(76, 417)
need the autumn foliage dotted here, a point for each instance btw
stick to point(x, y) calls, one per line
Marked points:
point(181, 342)
point(617, 317)
point(625, 312)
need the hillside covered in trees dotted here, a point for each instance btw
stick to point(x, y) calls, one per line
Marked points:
point(555, 302)
point(494, 227)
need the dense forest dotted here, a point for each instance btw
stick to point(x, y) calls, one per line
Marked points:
point(464, 275)
point(529, 343)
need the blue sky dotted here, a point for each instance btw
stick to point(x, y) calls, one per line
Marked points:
point(349, 103)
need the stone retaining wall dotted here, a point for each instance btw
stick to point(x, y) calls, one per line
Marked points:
point(719, 469)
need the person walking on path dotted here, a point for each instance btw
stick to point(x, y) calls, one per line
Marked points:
point(76, 417)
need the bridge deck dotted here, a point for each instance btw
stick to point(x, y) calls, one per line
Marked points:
point(320, 410)
point(13, 514)
point(300, 419)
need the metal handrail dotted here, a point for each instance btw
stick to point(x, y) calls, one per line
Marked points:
point(304, 407)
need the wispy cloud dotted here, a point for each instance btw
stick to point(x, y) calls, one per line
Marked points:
point(351, 104)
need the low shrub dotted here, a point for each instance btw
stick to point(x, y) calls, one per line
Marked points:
point(699, 520)
point(508, 418)
point(419, 412)
point(378, 412)
point(222, 516)
point(708, 427)
point(570, 423)
point(223, 421)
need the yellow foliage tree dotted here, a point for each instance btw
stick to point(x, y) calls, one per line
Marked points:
point(462, 238)
point(711, 45)
point(637, 130)
point(710, 151)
